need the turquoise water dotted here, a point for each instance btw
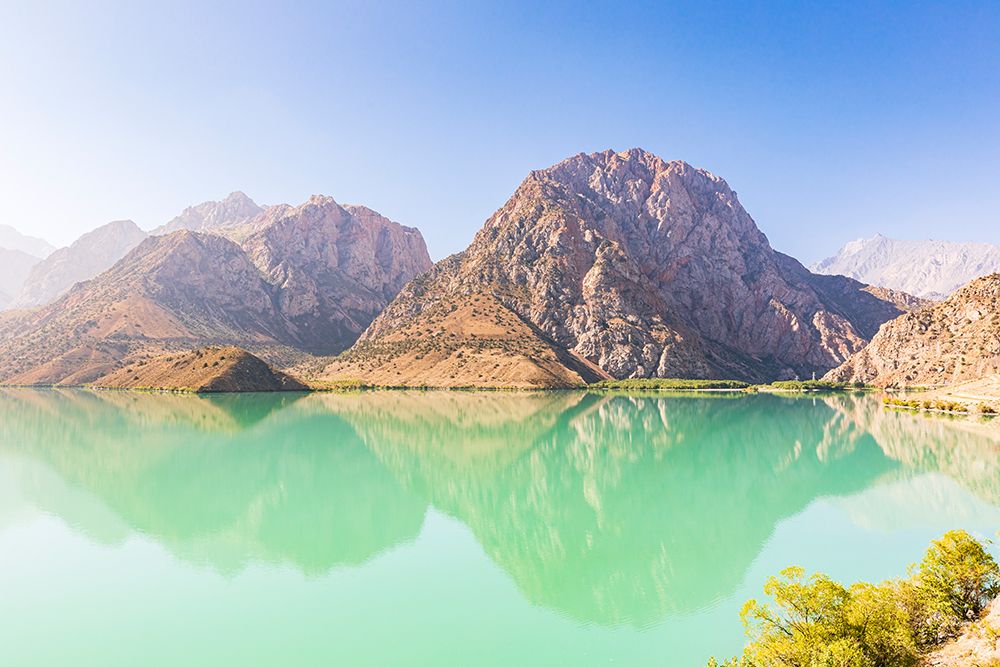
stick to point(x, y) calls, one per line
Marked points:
point(451, 528)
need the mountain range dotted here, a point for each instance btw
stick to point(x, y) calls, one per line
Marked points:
point(607, 265)
point(305, 280)
point(928, 269)
point(617, 265)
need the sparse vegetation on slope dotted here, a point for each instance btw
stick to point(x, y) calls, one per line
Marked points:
point(211, 369)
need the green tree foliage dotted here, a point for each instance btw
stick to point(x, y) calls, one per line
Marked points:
point(813, 621)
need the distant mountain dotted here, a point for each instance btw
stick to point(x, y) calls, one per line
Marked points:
point(11, 239)
point(15, 266)
point(88, 256)
point(212, 216)
point(308, 280)
point(957, 340)
point(616, 264)
point(929, 269)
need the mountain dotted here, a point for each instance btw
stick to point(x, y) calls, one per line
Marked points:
point(336, 268)
point(954, 341)
point(15, 266)
point(207, 370)
point(617, 264)
point(307, 281)
point(88, 256)
point(929, 269)
point(11, 239)
point(211, 216)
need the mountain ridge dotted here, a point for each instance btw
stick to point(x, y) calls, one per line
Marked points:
point(929, 269)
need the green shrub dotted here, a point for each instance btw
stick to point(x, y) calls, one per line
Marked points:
point(815, 621)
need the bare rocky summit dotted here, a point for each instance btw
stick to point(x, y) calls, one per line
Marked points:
point(213, 216)
point(928, 269)
point(955, 341)
point(626, 264)
point(307, 281)
point(88, 256)
point(211, 369)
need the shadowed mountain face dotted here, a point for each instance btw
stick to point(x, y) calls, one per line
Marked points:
point(608, 509)
point(307, 280)
point(642, 267)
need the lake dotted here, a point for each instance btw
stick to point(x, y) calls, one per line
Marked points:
point(451, 528)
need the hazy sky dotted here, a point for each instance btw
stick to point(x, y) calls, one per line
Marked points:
point(830, 120)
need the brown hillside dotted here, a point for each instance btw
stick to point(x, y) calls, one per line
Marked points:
point(212, 369)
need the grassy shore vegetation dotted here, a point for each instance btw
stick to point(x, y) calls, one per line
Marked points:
point(646, 384)
point(813, 621)
point(938, 405)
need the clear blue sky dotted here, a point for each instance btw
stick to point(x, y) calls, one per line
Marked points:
point(831, 120)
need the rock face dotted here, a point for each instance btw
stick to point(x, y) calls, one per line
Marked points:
point(636, 266)
point(15, 266)
point(88, 256)
point(336, 268)
point(212, 369)
point(212, 216)
point(11, 239)
point(954, 341)
point(307, 281)
point(929, 269)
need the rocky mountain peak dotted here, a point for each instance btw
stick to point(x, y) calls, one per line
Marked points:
point(929, 269)
point(235, 210)
point(640, 267)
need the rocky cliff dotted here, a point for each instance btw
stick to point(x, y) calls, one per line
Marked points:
point(629, 264)
point(929, 269)
point(954, 341)
point(88, 256)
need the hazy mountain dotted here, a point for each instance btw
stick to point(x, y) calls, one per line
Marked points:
point(15, 267)
point(956, 340)
point(308, 280)
point(211, 216)
point(618, 264)
point(11, 239)
point(930, 269)
point(88, 256)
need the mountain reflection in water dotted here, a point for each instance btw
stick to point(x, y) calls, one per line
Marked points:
point(610, 510)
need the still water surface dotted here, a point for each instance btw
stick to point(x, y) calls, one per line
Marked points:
point(448, 528)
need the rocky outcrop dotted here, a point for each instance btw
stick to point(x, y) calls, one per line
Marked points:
point(307, 281)
point(929, 269)
point(15, 267)
point(979, 644)
point(213, 216)
point(207, 370)
point(957, 340)
point(637, 266)
point(88, 256)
